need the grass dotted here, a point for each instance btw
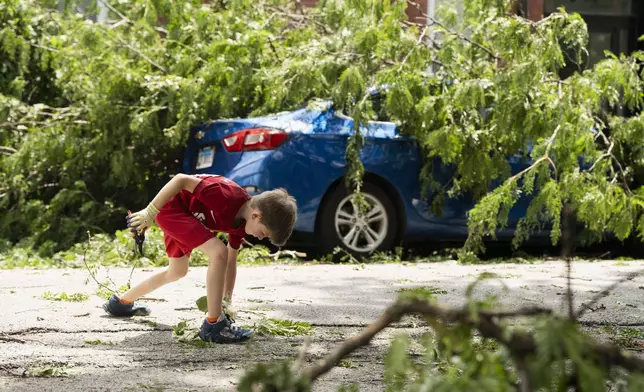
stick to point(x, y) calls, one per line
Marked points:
point(75, 297)
point(117, 251)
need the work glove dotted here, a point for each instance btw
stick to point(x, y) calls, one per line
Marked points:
point(142, 220)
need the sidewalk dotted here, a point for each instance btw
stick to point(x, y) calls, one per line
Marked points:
point(338, 300)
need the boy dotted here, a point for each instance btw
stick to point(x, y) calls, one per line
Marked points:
point(189, 209)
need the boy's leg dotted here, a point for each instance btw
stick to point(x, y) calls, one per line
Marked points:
point(216, 275)
point(217, 327)
point(177, 269)
point(125, 307)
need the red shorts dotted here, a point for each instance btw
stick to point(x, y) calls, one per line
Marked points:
point(182, 232)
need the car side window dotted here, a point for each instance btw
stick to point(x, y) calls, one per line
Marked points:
point(378, 104)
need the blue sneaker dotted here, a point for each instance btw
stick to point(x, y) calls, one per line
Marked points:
point(118, 309)
point(223, 331)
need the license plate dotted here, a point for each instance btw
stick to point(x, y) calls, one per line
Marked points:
point(205, 158)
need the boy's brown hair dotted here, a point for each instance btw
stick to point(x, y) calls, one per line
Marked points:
point(279, 212)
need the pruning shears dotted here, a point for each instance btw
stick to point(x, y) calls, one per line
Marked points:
point(139, 238)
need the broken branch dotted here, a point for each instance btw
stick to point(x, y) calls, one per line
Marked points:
point(395, 312)
point(604, 293)
point(89, 239)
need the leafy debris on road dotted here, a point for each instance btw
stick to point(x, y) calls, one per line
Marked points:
point(276, 327)
point(421, 292)
point(47, 371)
point(75, 297)
point(97, 342)
point(183, 334)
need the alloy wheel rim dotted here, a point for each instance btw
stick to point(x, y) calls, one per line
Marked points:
point(358, 231)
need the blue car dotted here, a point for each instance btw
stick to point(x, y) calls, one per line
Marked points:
point(303, 151)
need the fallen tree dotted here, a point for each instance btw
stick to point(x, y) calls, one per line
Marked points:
point(94, 116)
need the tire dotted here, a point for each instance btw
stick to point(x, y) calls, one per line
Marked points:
point(334, 231)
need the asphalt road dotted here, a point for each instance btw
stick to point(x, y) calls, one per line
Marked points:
point(338, 300)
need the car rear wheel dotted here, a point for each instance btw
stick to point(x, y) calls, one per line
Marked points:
point(359, 232)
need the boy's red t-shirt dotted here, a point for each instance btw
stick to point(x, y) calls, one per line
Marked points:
point(215, 202)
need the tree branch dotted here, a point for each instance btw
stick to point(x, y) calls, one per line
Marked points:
point(393, 314)
point(420, 40)
point(117, 12)
point(545, 157)
point(521, 345)
point(454, 33)
point(524, 375)
point(569, 294)
point(143, 56)
point(605, 292)
point(607, 154)
point(299, 18)
point(45, 48)
point(270, 41)
point(89, 239)
point(7, 150)
point(33, 122)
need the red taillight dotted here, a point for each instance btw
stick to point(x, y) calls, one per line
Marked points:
point(254, 139)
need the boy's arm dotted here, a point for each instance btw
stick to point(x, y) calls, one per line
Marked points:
point(143, 219)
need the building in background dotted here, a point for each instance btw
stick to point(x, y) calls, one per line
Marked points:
point(613, 25)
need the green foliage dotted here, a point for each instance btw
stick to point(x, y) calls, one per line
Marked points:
point(345, 364)
point(190, 336)
point(202, 304)
point(420, 292)
point(105, 293)
point(74, 297)
point(226, 306)
point(255, 255)
point(94, 116)
point(276, 376)
point(48, 371)
point(626, 337)
point(102, 250)
point(275, 327)
point(97, 342)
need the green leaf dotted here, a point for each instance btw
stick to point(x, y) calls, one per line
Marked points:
point(202, 304)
